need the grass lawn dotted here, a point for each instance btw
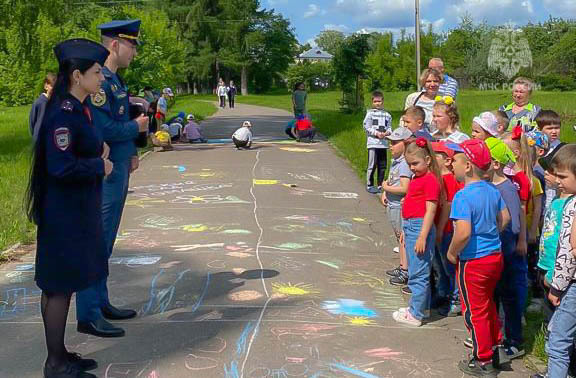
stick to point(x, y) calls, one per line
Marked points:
point(346, 133)
point(15, 153)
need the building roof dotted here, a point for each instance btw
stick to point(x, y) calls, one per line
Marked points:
point(315, 53)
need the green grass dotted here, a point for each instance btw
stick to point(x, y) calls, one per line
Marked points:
point(15, 152)
point(347, 135)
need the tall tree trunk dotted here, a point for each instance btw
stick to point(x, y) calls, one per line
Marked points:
point(244, 81)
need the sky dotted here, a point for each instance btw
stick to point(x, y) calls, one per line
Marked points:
point(310, 17)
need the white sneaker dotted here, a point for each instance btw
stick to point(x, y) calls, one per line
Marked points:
point(406, 318)
point(396, 250)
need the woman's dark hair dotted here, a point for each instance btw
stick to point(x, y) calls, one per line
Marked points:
point(36, 183)
point(297, 85)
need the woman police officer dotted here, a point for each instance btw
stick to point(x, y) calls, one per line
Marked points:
point(65, 196)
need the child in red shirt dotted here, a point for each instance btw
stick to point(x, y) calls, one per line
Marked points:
point(418, 211)
point(446, 287)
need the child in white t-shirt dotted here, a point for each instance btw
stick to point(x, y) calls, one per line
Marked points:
point(242, 137)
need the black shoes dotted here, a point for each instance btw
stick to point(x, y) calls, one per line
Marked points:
point(113, 313)
point(69, 371)
point(100, 328)
point(82, 363)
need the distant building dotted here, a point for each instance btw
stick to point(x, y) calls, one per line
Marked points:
point(314, 55)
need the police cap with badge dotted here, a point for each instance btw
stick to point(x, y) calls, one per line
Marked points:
point(80, 48)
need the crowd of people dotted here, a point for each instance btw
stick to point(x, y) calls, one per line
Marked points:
point(481, 220)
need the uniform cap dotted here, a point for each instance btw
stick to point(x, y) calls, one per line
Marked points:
point(80, 48)
point(125, 29)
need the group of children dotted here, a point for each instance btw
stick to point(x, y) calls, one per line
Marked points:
point(175, 131)
point(467, 213)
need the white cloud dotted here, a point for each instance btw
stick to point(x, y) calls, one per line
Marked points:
point(380, 13)
point(314, 10)
point(560, 6)
point(341, 28)
point(493, 11)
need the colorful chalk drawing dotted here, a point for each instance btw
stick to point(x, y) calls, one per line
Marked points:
point(144, 202)
point(358, 279)
point(205, 174)
point(138, 238)
point(287, 263)
point(131, 370)
point(245, 296)
point(289, 246)
point(383, 353)
point(181, 168)
point(193, 188)
point(161, 187)
point(350, 307)
point(306, 331)
point(350, 370)
point(333, 237)
point(331, 264)
point(25, 267)
point(161, 299)
point(18, 302)
point(241, 248)
point(197, 363)
point(297, 149)
point(288, 290)
point(360, 321)
point(264, 182)
point(135, 261)
point(16, 277)
point(208, 199)
point(388, 298)
point(192, 247)
point(340, 195)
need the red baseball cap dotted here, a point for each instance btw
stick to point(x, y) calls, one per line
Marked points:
point(477, 152)
point(441, 147)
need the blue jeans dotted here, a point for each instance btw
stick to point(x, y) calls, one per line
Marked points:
point(446, 283)
point(418, 267)
point(512, 289)
point(562, 333)
point(114, 191)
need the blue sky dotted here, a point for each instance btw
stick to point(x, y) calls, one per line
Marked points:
point(310, 17)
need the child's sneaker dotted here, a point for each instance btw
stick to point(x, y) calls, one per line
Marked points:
point(396, 250)
point(372, 189)
point(468, 343)
point(451, 311)
point(406, 290)
point(400, 280)
point(405, 317)
point(394, 272)
point(477, 369)
point(513, 352)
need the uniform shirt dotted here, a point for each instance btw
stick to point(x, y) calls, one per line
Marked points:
point(550, 235)
point(243, 134)
point(420, 190)
point(111, 111)
point(449, 87)
point(192, 131)
point(526, 116)
point(509, 193)
point(565, 267)
point(398, 169)
point(374, 121)
point(479, 203)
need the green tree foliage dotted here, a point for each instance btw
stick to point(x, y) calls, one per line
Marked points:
point(330, 40)
point(349, 68)
point(315, 75)
point(26, 53)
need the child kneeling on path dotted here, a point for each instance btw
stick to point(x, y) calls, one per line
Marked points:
point(192, 131)
point(304, 129)
point(242, 137)
point(479, 213)
point(418, 211)
point(393, 191)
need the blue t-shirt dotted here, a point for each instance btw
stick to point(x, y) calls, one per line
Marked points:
point(479, 203)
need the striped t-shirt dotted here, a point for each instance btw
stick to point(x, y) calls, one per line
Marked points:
point(449, 87)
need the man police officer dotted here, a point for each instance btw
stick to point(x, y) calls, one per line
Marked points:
point(111, 111)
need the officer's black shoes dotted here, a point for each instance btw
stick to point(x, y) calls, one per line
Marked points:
point(68, 371)
point(100, 328)
point(82, 363)
point(113, 313)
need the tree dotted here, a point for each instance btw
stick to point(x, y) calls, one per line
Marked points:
point(349, 66)
point(330, 40)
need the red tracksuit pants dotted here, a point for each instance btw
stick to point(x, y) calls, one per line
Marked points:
point(477, 279)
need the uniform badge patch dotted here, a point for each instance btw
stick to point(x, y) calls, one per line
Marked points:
point(99, 98)
point(67, 106)
point(113, 87)
point(62, 138)
point(121, 110)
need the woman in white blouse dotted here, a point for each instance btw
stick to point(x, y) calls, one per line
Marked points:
point(430, 81)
